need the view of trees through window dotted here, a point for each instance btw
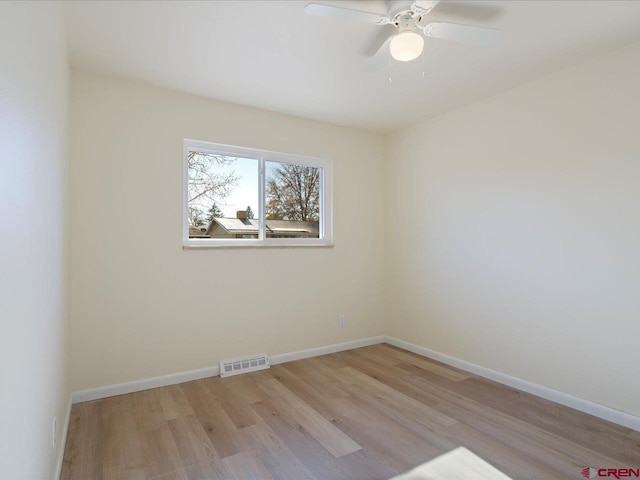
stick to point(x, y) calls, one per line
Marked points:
point(292, 192)
point(223, 198)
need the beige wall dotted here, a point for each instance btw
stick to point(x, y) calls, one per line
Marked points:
point(515, 233)
point(33, 316)
point(511, 238)
point(140, 305)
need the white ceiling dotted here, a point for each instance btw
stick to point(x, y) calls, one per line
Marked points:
point(270, 55)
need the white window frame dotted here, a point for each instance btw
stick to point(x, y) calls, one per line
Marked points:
point(262, 156)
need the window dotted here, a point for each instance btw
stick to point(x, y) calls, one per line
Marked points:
point(237, 196)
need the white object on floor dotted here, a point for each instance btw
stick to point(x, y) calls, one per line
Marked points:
point(458, 464)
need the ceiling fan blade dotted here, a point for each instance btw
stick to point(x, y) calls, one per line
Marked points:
point(423, 7)
point(478, 36)
point(378, 60)
point(320, 10)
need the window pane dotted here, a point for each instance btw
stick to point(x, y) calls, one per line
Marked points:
point(292, 204)
point(223, 196)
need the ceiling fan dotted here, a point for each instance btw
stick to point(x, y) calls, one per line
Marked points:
point(409, 18)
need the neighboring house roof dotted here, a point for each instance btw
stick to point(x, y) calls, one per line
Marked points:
point(235, 225)
point(250, 226)
point(198, 231)
point(291, 226)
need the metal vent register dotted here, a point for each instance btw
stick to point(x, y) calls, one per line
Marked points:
point(244, 365)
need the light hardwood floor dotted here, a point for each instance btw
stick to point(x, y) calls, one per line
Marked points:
point(369, 413)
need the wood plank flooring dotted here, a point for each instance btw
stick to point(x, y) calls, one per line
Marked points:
point(369, 413)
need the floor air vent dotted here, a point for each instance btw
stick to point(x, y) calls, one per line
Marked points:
point(244, 365)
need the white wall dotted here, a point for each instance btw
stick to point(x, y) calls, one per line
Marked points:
point(140, 305)
point(33, 307)
point(515, 233)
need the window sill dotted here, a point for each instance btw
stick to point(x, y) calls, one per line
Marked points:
point(241, 247)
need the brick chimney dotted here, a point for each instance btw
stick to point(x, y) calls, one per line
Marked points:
point(241, 214)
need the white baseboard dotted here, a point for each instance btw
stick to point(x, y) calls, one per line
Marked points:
point(63, 440)
point(336, 347)
point(144, 384)
point(172, 379)
point(595, 409)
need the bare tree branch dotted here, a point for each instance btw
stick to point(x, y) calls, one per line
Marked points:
point(206, 183)
point(293, 193)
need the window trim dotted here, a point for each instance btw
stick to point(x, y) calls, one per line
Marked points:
point(262, 156)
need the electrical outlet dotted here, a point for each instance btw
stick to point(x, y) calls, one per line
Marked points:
point(341, 321)
point(54, 432)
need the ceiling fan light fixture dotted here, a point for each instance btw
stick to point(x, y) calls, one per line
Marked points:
point(406, 46)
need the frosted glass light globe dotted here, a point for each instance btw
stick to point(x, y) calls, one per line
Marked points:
point(406, 46)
